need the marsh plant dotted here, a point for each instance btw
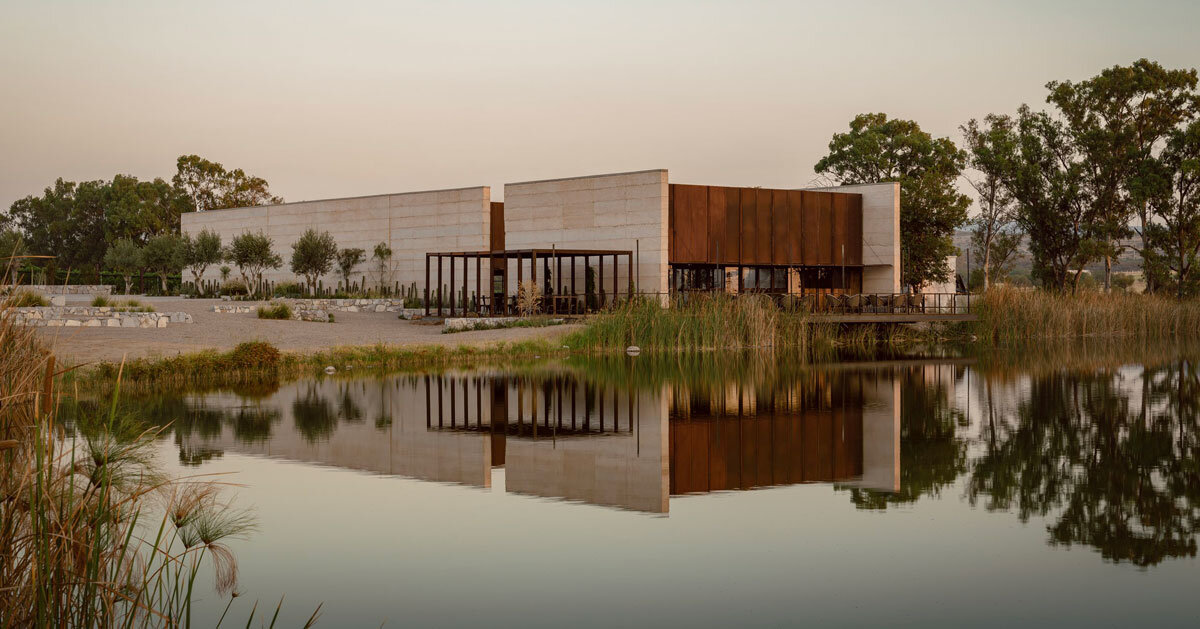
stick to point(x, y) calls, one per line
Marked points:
point(92, 532)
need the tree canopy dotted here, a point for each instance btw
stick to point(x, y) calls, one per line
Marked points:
point(124, 257)
point(252, 253)
point(200, 252)
point(879, 149)
point(313, 255)
point(163, 255)
point(210, 186)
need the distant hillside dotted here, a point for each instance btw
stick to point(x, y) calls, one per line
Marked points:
point(1128, 261)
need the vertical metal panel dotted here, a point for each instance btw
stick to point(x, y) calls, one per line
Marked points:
point(749, 216)
point(690, 225)
point(762, 226)
point(497, 226)
point(733, 226)
point(780, 227)
point(795, 227)
point(718, 238)
point(811, 219)
point(825, 218)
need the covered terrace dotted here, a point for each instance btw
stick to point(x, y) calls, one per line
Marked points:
point(559, 294)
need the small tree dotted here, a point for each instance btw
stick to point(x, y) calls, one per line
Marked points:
point(224, 271)
point(163, 255)
point(124, 257)
point(200, 252)
point(252, 254)
point(313, 255)
point(347, 259)
point(383, 263)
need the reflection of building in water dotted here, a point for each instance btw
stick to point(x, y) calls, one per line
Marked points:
point(564, 436)
point(827, 426)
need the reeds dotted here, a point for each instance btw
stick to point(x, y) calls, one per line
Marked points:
point(91, 533)
point(703, 322)
point(1008, 315)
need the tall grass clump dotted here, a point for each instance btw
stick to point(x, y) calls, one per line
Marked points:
point(92, 534)
point(26, 299)
point(1008, 315)
point(702, 322)
point(277, 310)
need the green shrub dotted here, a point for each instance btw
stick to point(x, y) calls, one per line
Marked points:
point(278, 310)
point(234, 287)
point(100, 301)
point(289, 289)
point(253, 355)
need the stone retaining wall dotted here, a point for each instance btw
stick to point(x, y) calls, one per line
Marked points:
point(300, 311)
point(483, 323)
point(95, 317)
point(70, 289)
point(330, 305)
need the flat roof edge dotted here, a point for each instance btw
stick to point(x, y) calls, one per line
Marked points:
point(630, 172)
point(361, 196)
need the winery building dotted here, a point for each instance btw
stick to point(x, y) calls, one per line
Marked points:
point(629, 232)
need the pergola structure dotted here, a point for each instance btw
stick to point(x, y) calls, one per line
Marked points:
point(559, 299)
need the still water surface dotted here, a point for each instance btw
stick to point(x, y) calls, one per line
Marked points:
point(747, 492)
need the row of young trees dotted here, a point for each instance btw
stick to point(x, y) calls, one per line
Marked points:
point(314, 255)
point(79, 222)
point(1116, 157)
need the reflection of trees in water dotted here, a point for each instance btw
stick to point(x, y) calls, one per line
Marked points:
point(198, 423)
point(314, 415)
point(932, 455)
point(1120, 477)
point(348, 410)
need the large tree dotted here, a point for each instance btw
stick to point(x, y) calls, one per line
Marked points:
point(1045, 175)
point(1172, 184)
point(210, 186)
point(139, 210)
point(252, 253)
point(313, 255)
point(1118, 119)
point(994, 234)
point(66, 221)
point(200, 252)
point(878, 149)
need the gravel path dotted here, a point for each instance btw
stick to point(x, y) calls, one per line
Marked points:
point(213, 330)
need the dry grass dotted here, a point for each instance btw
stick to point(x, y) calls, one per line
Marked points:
point(1008, 315)
point(91, 533)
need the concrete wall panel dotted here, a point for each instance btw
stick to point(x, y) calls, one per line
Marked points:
point(624, 211)
point(411, 223)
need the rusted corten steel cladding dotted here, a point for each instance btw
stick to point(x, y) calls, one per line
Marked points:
point(759, 226)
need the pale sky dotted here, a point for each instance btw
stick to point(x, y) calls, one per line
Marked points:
point(353, 98)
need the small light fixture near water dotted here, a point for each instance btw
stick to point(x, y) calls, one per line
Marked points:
point(633, 350)
point(330, 370)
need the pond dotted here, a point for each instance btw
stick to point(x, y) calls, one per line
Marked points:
point(713, 491)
